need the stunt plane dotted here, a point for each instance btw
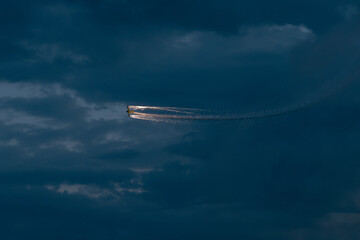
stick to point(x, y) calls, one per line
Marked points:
point(128, 111)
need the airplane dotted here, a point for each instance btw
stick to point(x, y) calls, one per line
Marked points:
point(128, 111)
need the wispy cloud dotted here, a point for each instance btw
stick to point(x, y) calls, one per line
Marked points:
point(69, 145)
point(11, 142)
point(90, 191)
point(249, 38)
point(116, 191)
point(94, 111)
point(49, 52)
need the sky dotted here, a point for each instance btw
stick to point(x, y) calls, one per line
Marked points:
point(73, 165)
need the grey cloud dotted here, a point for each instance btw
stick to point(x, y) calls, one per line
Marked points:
point(52, 122)
point(75, 166)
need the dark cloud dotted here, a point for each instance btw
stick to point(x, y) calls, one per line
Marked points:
point(73, 165)
point(60, 108)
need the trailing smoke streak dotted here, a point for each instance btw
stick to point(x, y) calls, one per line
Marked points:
point(198, 114)
point(168, 109)
point(163, 108)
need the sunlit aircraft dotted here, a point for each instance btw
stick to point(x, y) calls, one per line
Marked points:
point(128, 111)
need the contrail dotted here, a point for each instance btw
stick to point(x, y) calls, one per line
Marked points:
point(166, 109)
point(164, 114)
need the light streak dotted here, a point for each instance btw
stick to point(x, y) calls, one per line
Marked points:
point(174, 114)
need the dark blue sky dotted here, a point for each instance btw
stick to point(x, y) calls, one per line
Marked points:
point(74, 166)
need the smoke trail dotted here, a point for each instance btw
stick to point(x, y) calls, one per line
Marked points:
point(169, 114)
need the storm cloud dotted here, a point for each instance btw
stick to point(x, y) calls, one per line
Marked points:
point(74, 165)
